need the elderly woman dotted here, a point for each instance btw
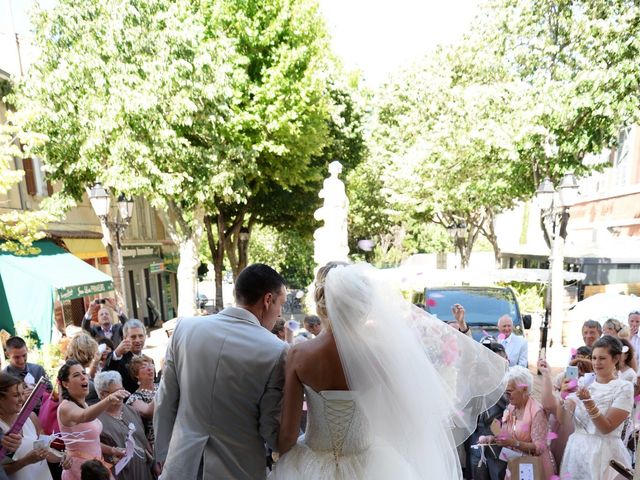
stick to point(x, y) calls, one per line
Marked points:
point(524, 424)
point(117, 421)
point(142, 400)
point(80, 420)
point(28, 463)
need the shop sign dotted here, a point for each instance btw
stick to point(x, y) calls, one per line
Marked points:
point(156, 267)
point(79, 291)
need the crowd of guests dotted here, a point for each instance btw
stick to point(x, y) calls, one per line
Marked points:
point(103, 401)
point(100, 404)
point(584, 419)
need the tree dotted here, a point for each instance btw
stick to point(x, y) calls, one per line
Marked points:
point(287, 203)
point(462, 134)
point(142, 96)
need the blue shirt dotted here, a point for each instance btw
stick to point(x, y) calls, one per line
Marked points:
point(517, 350)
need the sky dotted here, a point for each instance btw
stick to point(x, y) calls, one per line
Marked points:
point(374, 36)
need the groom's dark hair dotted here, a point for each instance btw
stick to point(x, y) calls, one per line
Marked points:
point(255, 281)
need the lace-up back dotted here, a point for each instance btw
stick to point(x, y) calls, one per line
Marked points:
point(335, 424)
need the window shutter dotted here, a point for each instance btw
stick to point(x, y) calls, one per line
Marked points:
point(29, 176)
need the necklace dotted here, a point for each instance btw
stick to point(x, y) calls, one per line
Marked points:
point(118, 416)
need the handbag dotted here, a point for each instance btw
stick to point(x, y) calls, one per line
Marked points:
point(526, 467)
point(48, 417)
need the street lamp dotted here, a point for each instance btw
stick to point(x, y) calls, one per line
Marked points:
point(100, 199)
point(554, 215)
point(457, 231)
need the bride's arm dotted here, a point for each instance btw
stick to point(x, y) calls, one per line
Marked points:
point(291, 405)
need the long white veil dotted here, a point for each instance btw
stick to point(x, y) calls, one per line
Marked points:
point(423, 383)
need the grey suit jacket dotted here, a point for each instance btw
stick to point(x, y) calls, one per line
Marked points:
point(219, 399)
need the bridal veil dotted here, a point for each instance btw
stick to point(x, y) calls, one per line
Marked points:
point(421, 383)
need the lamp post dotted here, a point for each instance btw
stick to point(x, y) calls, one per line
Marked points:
point(554, 206)
point(457, 232)
point(100, 199)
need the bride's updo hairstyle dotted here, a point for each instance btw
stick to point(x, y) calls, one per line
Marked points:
point(319, 294)
point(345, 294)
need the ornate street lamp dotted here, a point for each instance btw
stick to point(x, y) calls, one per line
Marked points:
point(100, 199)
point(554, 210)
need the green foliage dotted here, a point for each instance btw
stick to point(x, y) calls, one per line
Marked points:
point(288, 252)
point(530, 296)
point(461, 135)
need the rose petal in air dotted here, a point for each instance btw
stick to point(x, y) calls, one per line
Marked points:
point(552, 436)
point(431, 302)
point(501, 336)
point(574, 352)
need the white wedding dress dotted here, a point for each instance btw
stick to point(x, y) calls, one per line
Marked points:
point(338, 444)
point(417, 388)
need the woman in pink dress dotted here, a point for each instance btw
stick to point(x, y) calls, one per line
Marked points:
point(79, 421)
point(525, 427)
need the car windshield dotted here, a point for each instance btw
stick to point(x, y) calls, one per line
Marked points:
point(482, 306)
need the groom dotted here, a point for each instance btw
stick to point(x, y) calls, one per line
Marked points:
point(219, 399)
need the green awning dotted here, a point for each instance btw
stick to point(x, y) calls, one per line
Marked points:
point(29, 283)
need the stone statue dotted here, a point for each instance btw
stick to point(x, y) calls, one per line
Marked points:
point(331, 243)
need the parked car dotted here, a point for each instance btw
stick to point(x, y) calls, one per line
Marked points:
point(483, 307)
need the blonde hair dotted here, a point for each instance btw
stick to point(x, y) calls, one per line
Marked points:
point(319, 295)
point(82, 348)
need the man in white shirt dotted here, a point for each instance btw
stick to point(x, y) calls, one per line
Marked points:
point(515, 345)
point(634, 323)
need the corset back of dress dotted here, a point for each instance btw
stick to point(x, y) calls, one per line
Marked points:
point(335, 423)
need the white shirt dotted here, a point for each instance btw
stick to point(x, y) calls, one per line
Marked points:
point(635, 343)
point(517, 350)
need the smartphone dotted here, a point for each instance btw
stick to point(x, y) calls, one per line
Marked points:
point(571, 373)
point(621, 469)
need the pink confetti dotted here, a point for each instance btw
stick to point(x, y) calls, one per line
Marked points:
point(431, 302)
point(574, 352)
point(501, 336)
point(552, 436)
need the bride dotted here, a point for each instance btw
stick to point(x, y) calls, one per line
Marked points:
point(391, 390)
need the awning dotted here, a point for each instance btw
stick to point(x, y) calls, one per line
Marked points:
point(29, 283)
point(85, 248)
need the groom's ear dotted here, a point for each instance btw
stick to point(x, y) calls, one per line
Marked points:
point(267, 300)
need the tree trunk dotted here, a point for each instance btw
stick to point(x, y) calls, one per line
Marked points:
point(187, 236)
point(489, 231)
point(187, 277)
point(216, 246)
